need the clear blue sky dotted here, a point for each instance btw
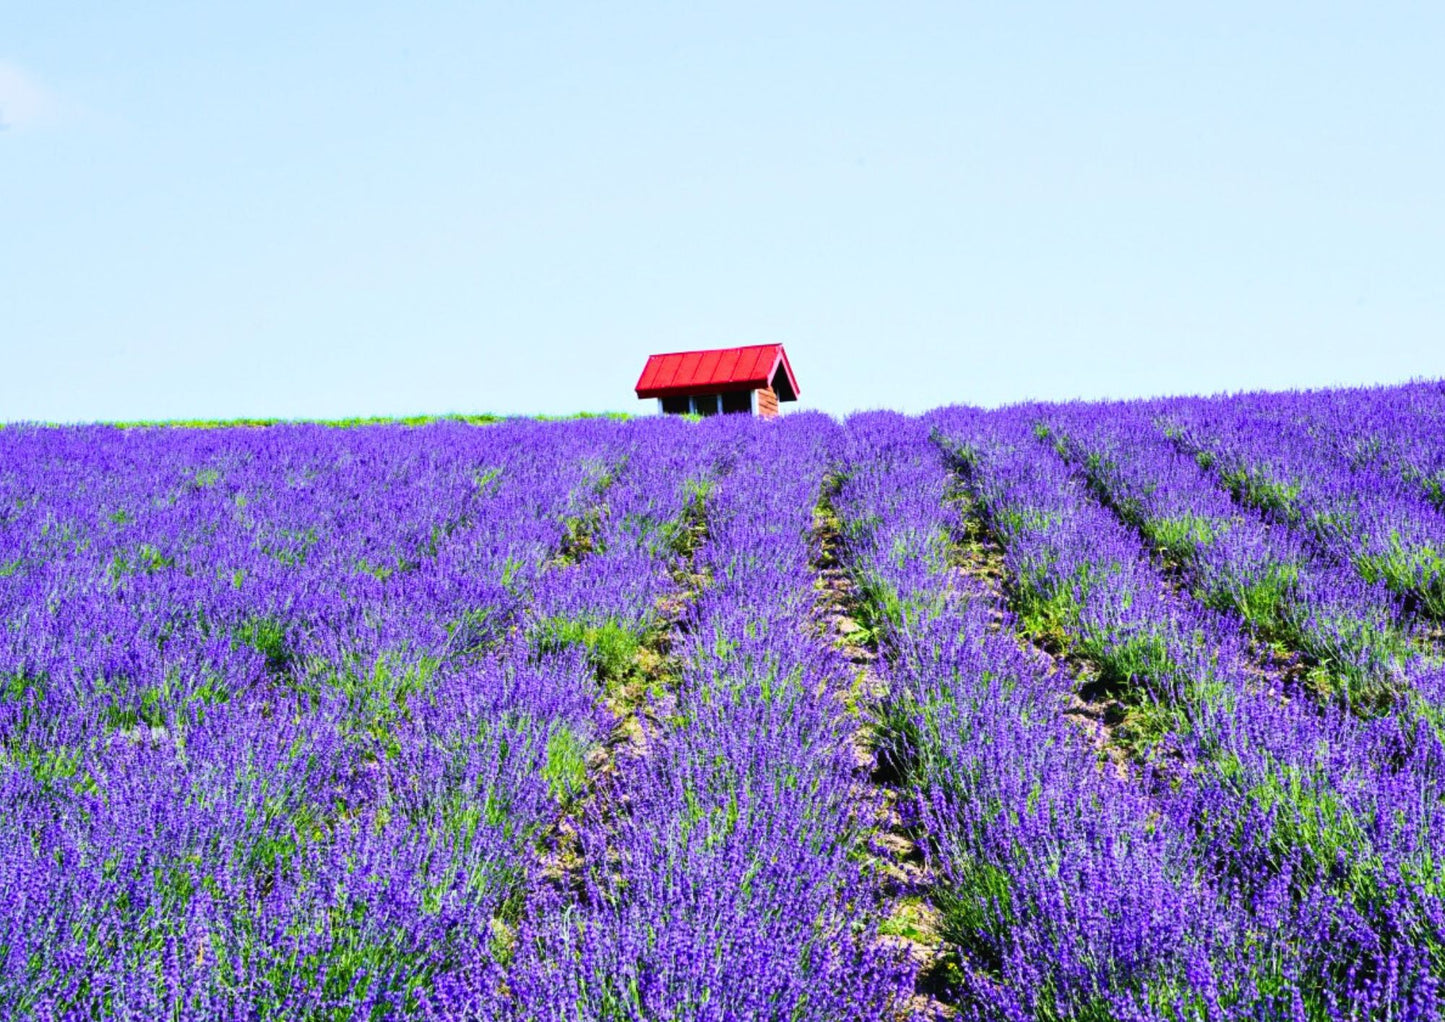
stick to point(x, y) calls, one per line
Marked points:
point(319, 209)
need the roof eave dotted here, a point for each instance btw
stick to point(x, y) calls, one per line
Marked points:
point(706, 388)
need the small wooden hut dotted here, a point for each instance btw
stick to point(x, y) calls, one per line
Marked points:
point(724, 381)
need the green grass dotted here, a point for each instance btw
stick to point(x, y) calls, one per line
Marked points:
point(1047, 614)
point(976, 903)
point(1267, 602)
point(880, 609)
point(350, 422)
point(1124, 661)
point(580, 528)
point(377, 696)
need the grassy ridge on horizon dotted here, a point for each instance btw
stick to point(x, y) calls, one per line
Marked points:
point(347, 422)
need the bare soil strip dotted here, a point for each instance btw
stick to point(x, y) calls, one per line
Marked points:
point(978, 563)
point(639, 706)
point(913, 922)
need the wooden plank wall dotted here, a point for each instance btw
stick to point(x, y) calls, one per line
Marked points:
point(767, 403)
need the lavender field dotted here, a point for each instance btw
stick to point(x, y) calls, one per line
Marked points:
point(1086, 711)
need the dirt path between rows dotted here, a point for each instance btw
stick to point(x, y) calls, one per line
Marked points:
point(913, 922)
point(639, 706)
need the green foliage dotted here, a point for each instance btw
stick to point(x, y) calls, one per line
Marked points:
point(20, 686)
point(1180, 539)
point(25, 695)
point(716, 819)
point(1261, 600)
point(1343, 522)
point(565, 767)
point(677, 537)
point(289, 546)
point(1434, 487)
point(54, 767)
point(880, 609)
point(598, 475)
point(613, 416)
point(377, 696)
point(580, 527)
point(1148, 722)
point(612, 648)
point(1312, 825)
point(1256, 487)
point(963, 457)
point(211, 689)
point(775, 686)
point(474, 632)
point(144, 560)
point(899, 738)
point(1352, 659)
point(977, 905)
point(129, 704)
point(1417, 572)
point(1047, 617)
point(1136, 669)
point(1125, 662)
point(268, 636)
point(1010, 522)
point(579, 536)
point(380, 572)
point(910, 918)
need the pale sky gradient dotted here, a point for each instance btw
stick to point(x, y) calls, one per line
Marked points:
point(324, 209)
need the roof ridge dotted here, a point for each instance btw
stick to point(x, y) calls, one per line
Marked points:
point(705, 351)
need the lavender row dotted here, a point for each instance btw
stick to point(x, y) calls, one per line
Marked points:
point(721, 877)
point(1325, 827)
point(1272, 453)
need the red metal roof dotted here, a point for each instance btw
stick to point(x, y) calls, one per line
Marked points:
point(722, 369)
